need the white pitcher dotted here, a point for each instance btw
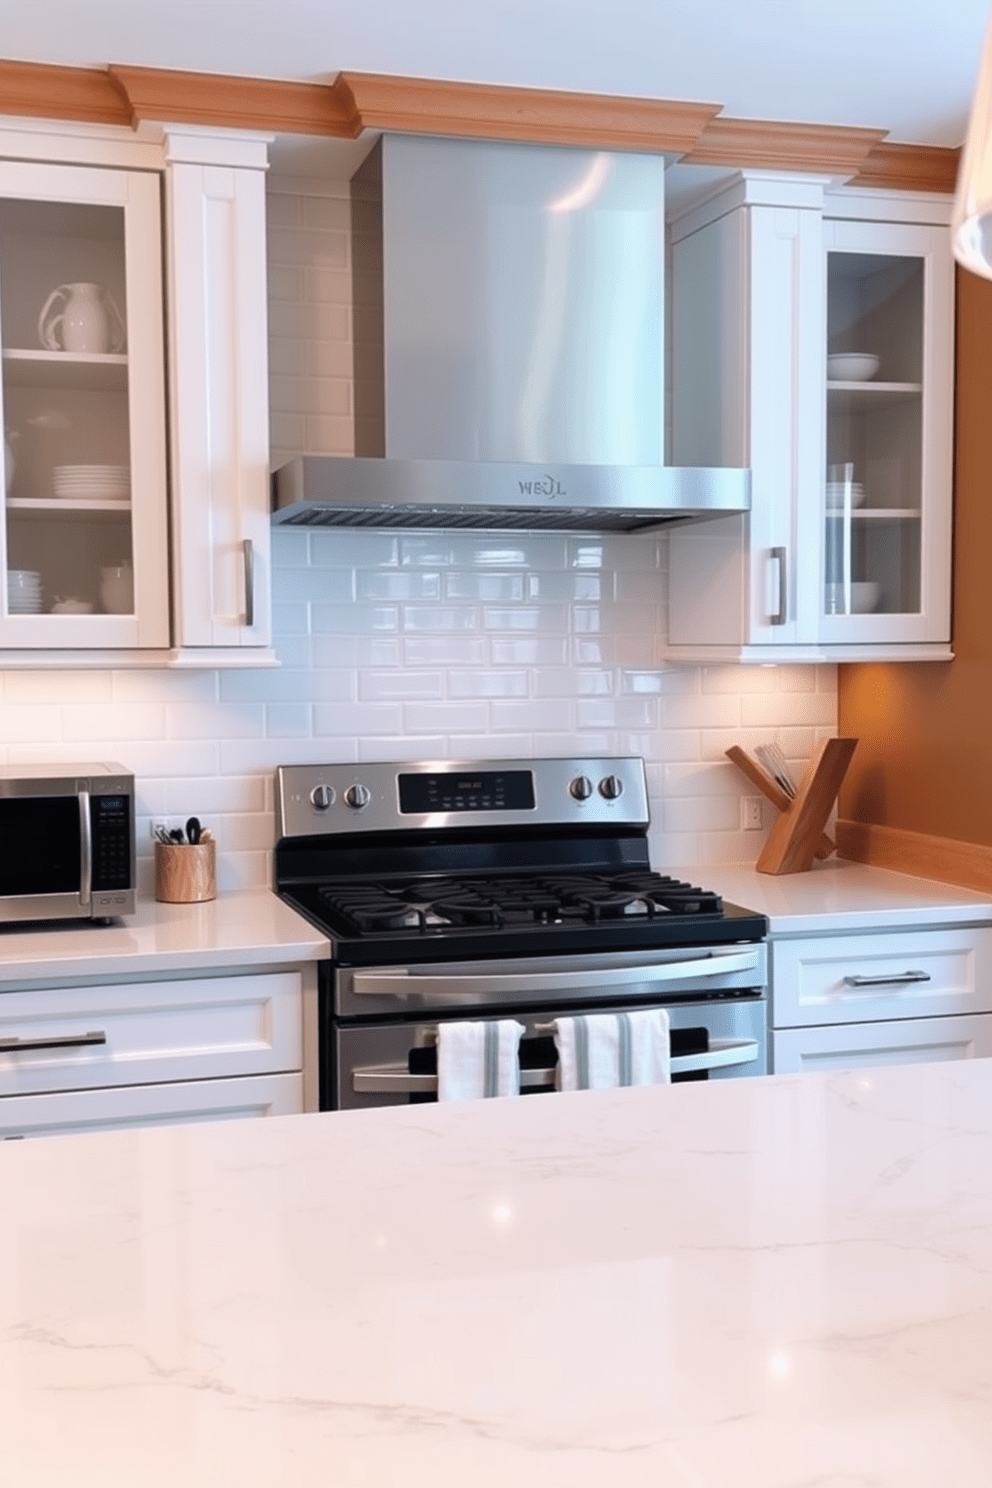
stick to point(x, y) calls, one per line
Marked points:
point(87, 316)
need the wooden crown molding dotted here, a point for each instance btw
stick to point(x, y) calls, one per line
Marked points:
point(355, 101)
point(967, 864)
point(230, 102)
point(35, 90)
point(533, 114)
point(911, 167)
point(826, 149)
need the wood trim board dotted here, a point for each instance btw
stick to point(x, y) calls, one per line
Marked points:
point(352, 102)
point(967, 864)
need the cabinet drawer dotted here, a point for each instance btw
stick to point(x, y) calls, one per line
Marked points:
point(858, 1045)
point(149, 1105)
point(848, 978)
point(134, 1033)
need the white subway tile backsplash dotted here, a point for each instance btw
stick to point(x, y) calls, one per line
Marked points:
point(530, 651)
point(402, 585)
point(439, 617)
point(617, 713)
point(333, 719)
point(483, 683)
point(505, 588)
point(404, 686)
point(447, 718)
point(444, 650)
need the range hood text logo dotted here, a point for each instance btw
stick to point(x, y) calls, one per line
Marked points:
point(544, 485)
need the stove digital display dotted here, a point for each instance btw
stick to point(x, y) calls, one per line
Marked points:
point(481, 790)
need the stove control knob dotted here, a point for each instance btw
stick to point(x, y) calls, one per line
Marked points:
point(611, 786)
point(580, 787)
point(322, 796)
point(357, 796)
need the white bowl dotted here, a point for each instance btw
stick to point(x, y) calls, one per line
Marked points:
point(865, 596)
point(835, 495)
point(852, 366)
point(72, 607)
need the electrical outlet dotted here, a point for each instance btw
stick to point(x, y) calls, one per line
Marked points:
point(155, 824)
point(751, 814)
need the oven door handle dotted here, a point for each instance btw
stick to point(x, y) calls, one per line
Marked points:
point(395, 1079)
point(401, 982)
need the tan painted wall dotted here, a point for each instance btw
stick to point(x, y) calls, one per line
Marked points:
point(924, 761)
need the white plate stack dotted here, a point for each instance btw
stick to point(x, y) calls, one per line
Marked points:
point(23, 592)
point(92, 482)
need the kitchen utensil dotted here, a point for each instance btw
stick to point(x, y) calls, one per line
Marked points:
point(193, 831)
point(852, 366)
point(774, 761)
point(87, 318)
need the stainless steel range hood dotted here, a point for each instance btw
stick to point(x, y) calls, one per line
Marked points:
point(509, 335)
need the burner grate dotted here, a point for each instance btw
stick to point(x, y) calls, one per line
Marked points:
point(538, 901)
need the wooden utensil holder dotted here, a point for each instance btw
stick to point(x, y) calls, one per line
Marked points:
point(797, 835)
point(185, 874)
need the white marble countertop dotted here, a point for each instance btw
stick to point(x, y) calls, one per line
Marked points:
point(252, 927)
point(838, 895)
point(753, 1284)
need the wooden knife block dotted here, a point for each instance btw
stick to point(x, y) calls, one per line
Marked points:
point(797, 835)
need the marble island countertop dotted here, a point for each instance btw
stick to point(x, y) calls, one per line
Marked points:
point(755, 1284)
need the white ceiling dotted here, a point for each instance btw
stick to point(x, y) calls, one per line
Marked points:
point(903, 65)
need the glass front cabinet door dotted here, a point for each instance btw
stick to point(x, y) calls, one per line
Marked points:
point(84, 536)
point(889, 375)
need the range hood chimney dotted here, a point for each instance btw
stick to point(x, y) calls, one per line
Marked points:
point(509, 348)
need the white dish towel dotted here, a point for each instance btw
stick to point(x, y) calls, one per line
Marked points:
point(478, 1059)
point(601, 1050)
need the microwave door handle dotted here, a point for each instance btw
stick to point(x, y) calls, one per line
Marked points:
point(401, 982)
point(85, 848)
point(396, 1079)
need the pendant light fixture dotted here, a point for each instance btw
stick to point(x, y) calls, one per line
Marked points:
point(971, 222)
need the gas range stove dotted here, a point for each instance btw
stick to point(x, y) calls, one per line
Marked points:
point(536, 856)
point(494, 889)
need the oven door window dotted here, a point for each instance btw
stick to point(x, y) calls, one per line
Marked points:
point(39, 845)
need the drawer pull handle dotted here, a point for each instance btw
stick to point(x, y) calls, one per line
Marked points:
point(67, 1041)
point(900, 979)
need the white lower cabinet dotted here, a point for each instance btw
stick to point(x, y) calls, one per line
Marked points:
point(139, 1053)
point(890, 997)
point(149, 1105)
point(903, 1041)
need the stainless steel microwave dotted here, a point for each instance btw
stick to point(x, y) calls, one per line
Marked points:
point(67, 849)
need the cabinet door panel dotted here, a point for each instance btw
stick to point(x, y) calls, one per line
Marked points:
point(219, 398)
point(863, 1045)
point(150, 1105)
point(916, 973)
point(84, 541)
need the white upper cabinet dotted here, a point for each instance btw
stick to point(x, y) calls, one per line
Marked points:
point(108, 342)
point(85, 524)
point(846, 552)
